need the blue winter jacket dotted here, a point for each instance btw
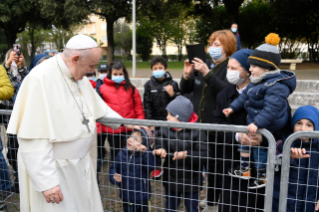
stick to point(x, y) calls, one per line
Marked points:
point(135, 169)
point(303, 187)
point(266, 102)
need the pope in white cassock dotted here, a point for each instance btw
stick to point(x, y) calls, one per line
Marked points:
point(54, 119)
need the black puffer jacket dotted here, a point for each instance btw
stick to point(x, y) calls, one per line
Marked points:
point(156, 98)
point(184, 174)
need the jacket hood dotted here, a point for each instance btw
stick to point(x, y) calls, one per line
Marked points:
point(108, 81)
point(36, 60)
point(167, 75)
point(286, 77)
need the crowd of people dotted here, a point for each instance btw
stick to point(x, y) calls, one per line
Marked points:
point(237, 87)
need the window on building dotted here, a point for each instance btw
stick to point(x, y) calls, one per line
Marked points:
point(104, 26)
point(104, 38)
point(93, 29)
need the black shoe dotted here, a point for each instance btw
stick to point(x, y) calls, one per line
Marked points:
point(258, 183)
point(239, 173)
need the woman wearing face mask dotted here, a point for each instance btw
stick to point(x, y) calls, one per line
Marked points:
point(124, 98)
point(205, 82)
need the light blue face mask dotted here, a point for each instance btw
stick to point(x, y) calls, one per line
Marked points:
point(158, 74)
point(234, 30)
point(215, 53)
point(92, 78)
point(118, 80)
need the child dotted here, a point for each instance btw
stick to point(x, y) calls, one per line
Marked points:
point(92, 78)
point(265, 100)
point(303, 192)
point(185, 152)
point(120, 95)
point(159, 90)
point(131, 170)
point(102, 74)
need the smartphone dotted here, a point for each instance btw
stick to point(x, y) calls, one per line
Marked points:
point(17, 49)
point(196, 50)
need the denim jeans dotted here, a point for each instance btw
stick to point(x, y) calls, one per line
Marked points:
point(260, 155)
point(5, 182)
point(173, 199)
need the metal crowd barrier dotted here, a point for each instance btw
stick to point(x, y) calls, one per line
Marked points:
point(302, 170)
point(197, 166)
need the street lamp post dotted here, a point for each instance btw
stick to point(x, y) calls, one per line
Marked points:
point(134, 40)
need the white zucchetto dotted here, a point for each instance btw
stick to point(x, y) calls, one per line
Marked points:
point(81, 42)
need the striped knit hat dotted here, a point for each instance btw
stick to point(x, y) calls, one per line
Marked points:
point(181, 108)
point(267, 55)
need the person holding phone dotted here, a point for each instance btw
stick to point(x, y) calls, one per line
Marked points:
point(16, 71)
point(205, 81)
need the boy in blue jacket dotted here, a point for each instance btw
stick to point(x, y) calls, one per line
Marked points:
point(303, 190)
point(131, 170)
point(265, 100)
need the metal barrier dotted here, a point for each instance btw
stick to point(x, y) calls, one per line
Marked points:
point(192, 167)
point(287, 168)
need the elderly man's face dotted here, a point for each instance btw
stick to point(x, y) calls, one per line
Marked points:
point(87, 64)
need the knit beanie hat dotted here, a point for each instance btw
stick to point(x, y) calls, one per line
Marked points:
point(242, 56)
point(267, 55)
point(306, 112)
point(181, 108)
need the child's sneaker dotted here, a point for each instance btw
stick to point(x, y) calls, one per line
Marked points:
point(157, 173)
point(238, 172)
point(258, 183)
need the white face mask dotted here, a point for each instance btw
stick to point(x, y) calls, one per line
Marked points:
point(102, 76)
point(233, 77)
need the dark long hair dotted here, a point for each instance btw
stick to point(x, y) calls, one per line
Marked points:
point(117, 66)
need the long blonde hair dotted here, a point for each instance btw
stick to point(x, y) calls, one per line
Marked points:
point(7, 58)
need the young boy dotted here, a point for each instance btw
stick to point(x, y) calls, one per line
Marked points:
point(159, 90)
point(131, 170)
point(102, 74)
point(265, 100)
point(303, 191)
point(185, 152)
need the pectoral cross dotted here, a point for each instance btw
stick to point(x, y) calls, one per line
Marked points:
point(86, 122)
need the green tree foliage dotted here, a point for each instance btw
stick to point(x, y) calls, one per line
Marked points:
point(123, 37)
point(144, 44)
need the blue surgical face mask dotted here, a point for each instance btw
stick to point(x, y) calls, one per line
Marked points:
point(215, 53)
point(158, 74)
point(234, 30)
point(118, 80)
point(92, 78)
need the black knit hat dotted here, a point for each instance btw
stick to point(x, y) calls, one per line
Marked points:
point(267, 55)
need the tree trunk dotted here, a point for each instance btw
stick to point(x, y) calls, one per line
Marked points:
point(163, 49)
point(180, 52)
point(31, 33)
point(110, 40)
point(11, 38)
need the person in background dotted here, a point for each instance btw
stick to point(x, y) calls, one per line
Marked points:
point(37, 60)
point(6, 92)
point(16, 71)
point(303, 193)
point(135, 185)
point(205, 82)
point(124, 98)
point(185, 152)
point(103, 68)
point(234, 29)
point(92, 77)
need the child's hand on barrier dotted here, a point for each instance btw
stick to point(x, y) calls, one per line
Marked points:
point(161, 152)
point(142, 148)
point(180, 155)
point(117, 177)
point(298, 153)
point(317, 206)
point(228, 111)
point(252, 128)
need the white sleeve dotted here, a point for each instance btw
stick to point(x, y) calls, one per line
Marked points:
point(112, 114)
point(37, 156)
point(237, 137)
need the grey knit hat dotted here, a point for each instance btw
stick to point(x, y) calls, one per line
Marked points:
point(267, 55)
point(181, 108)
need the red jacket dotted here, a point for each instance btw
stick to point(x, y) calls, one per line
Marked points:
point(93, 83)
point(125, 103)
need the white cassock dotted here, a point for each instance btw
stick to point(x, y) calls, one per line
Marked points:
point(55, 147)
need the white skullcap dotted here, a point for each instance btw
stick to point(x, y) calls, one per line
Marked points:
point(81, 42)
